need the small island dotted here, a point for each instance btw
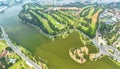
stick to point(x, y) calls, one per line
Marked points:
point(59, 34)
point(95, 24)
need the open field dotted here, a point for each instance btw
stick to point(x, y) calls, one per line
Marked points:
point(55, 22)
point(20, 65)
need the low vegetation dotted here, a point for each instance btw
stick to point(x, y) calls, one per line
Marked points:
point(54, 22)
point(9, 59)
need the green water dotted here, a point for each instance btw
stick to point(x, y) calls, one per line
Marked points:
point(56, 53)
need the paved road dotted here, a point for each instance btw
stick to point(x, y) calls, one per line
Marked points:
point(16, 50)
point(105, 49)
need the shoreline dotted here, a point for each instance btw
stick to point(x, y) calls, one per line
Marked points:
point(52, 37)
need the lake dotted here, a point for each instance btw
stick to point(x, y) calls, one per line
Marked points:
point(55, 52)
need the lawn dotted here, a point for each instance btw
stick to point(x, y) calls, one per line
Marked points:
point(52, 20)
point(3, 45)
point(91, 12)
point(44, 22)
point(95, 19)
point(57, 21)
point(20, 65)
point(69, 21)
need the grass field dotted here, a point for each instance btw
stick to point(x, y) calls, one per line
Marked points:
point(3, 45)
point(20, 65)
point(95, 19)
point(52, 20)
point(45, 24)
point(58, 21)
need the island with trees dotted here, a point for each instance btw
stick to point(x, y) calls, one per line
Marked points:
point(98, 26)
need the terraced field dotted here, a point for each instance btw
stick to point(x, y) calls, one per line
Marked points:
point(56, 22)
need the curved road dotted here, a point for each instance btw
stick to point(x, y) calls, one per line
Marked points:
point(16, 50)
point(105, 50)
